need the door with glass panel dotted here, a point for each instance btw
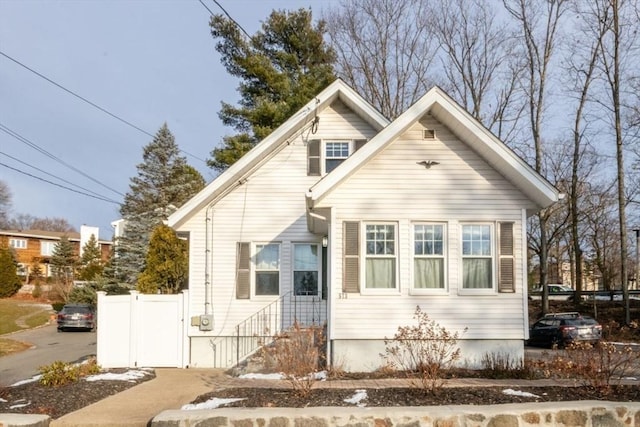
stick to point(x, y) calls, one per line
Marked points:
point(306, 302)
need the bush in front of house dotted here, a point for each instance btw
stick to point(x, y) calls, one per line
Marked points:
point(423, 352)
point(297, 353)
point(60, 373)
point(594, 365)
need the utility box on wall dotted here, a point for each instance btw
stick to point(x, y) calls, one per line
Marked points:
point(206, 322)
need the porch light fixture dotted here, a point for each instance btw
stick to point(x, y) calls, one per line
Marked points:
point(325, 241)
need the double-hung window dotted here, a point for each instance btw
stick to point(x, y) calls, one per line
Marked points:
point(335, 153)
point(477, 256)
point(267, 269)
point(306, 261)
point(380, 256)
point(428, 257)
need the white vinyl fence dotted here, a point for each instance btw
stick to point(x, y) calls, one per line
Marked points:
point(139, 330)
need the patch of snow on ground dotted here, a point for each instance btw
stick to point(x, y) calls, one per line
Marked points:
point(357, 398)
point(130, 375)
point(512, 392)
point(322, 376)
point(262, 376)
point(209, 404)
point(3, 400)
point(19, 405)
point(27, 381)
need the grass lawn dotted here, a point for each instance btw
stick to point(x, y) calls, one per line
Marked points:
point(26, 313)
point(31, 313)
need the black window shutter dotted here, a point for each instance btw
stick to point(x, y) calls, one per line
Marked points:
point(243, 274)
point(351, 258)
point(506, 259)
point(313, 157)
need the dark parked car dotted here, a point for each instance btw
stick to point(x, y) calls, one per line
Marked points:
point(77, 316)
point(562, 329)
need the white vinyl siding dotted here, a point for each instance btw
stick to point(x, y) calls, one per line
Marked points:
point(461, 189)
point(268, 207)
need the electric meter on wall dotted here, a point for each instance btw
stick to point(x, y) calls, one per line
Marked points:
point(206, 322)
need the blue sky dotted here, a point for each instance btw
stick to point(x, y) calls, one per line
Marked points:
point(145, 61)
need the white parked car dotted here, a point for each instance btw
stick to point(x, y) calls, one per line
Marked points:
point(558, 292)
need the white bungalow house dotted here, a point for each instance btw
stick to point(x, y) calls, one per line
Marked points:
point(343, 217)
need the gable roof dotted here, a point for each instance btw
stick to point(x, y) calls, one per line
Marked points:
point(265, 149)
point(466, 128)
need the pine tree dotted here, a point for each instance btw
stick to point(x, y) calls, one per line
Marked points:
point(167, 263)
point(91, 265)
point(164, 182)
point(282, 67)
point(9, 280)
point(63, 264)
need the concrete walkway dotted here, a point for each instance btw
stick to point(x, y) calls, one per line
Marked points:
point(173, 388)
point(170, 389)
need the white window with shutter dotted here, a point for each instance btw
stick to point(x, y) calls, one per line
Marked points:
point(380, 258)
point(323, 156)
point(478, 258)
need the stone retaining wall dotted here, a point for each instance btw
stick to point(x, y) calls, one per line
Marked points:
point(565, 414)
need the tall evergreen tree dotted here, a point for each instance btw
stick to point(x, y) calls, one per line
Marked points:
point(164, 182)
point(91, 265)
point(167, 263)
point(282, 67)
point(63, 264)
point(9, 279)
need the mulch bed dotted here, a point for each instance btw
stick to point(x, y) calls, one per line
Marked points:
point(255, 397)
point(34, 398)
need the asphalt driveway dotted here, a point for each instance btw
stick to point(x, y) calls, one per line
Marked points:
point(48, 346)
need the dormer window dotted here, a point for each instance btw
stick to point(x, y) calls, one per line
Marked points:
point(325, 155)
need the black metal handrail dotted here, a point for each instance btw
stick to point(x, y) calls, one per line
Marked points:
point(260, 328)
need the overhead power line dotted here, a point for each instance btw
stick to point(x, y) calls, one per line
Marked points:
point(59, 185)
point(36, 147)
point(89, 102)
point(227, 14)
point(56, 177)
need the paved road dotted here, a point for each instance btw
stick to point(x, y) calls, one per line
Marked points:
point(48, 346)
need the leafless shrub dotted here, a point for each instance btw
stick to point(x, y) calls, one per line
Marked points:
point(297, 354)
point(423, 352)
point(595, 365)
point(503, 365)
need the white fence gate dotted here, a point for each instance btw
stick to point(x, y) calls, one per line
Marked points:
point(139, 330)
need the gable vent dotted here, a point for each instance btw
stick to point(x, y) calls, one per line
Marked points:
point(428, 134)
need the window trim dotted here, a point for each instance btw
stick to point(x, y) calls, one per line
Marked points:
point(445, 257)
point(492, 290)
point(47, 243)
point(323, 152)
point(13, 243)
point(254, 270)
point(318, 269)
point(364, 290)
